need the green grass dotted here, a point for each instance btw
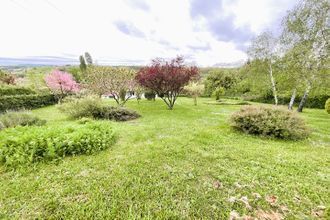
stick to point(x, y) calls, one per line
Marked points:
point(171, 165)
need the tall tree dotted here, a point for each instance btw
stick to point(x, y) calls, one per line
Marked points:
point(167, 78)
point(263, 52)
point(117, 82)
point(82, 64)
point(88, 58)
point(306, 29)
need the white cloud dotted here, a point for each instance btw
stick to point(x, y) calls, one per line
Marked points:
point(69, 28)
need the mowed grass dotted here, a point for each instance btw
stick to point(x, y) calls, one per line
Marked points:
point(181, 164)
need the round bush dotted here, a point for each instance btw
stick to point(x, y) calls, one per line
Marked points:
point(91, 107)
point(327, 106)
point(26, 145)
point(269, 121)
point(150, 95)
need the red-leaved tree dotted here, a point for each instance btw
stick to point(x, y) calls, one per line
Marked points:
point(167, 78)
point(61, 83)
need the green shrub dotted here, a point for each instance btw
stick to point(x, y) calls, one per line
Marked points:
point(220, 91)
point(15, 90)
point(25, 101)
point(150, 95)
point(327, 106)
point(13, 119)
point(116, 114)
point(78, 108)
point(92, 107)
point(269, 121)
point(27, 145)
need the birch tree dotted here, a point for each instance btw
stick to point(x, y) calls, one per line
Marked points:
point(306, 30)
point(263, 52)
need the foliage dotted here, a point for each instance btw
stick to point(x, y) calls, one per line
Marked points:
point(269, 121)
point(219, 78)
point(327, 106)
point(7, 78)
point(61, 83)
point(263, 52)
point(316, 101)
point(75, 72)
point(194, 90)
point(82, 64)
point(150, 95)
point(79, 108)
point(15, 90)
point(23, 118)
point(92, 107)
point(167, 79)
point(138, 92)
point(113, 81)
point(116, 113)
point(218, 92)
point(305, 33)
point(25, 101)
point(26, 145)
point(2, 126)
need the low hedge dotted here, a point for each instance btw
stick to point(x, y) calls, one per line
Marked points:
point(274, 122)
point(15, 90)
point(26, 145)
point(24, 118)
point(312, 101)
point(25, 101)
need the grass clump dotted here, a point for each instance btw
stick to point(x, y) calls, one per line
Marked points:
point(270, 121)
point(26, 145)
point(92, 107)
point(22, 118)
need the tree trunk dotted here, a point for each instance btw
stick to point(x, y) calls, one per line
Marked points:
point(273, 83)
point(304, 98)
point(195, 100)
point(293, 97)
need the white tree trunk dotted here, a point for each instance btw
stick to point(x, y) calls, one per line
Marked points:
point(293, 97)
point(273, 83)
point(304, 98)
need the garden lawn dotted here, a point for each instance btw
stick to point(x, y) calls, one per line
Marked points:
point(181, 164)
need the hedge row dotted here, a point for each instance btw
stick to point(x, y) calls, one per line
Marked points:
point(16, 102)
point(14, 90)
point(312, 101)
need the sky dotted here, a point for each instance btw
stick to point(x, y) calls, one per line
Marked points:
point(132, 32)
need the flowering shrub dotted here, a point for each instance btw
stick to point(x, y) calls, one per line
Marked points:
point(27, 145)
point(269, 121)
point(61, 83)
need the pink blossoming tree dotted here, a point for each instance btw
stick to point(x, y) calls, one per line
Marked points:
point(61, 83)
